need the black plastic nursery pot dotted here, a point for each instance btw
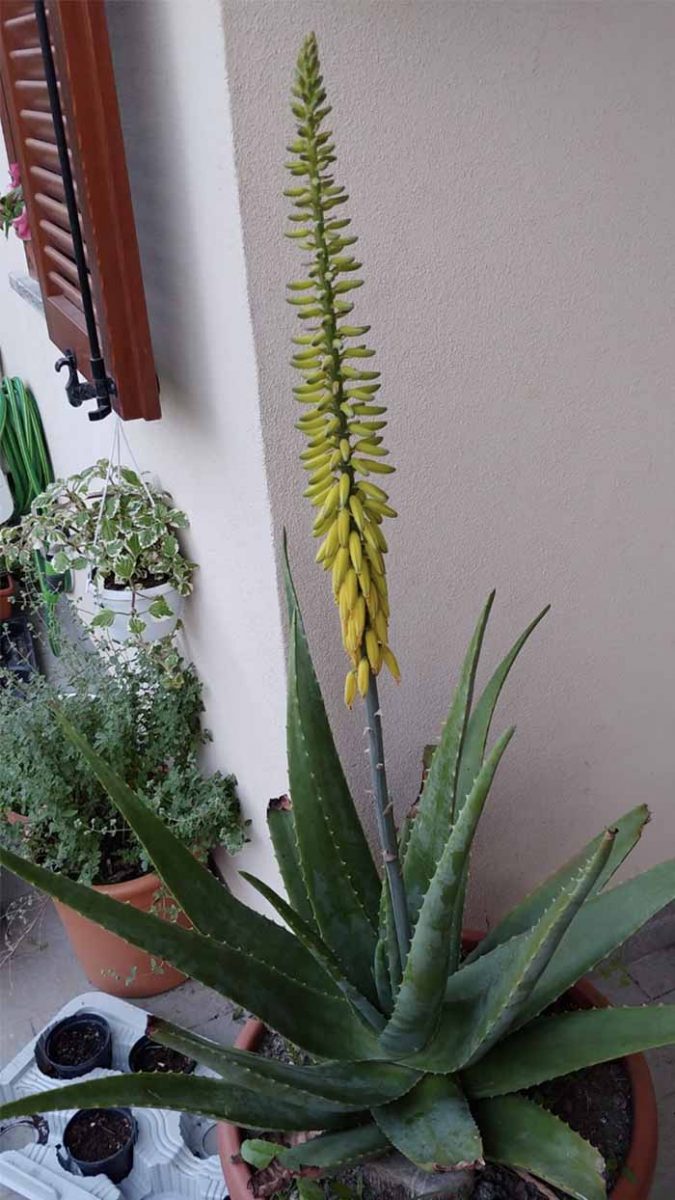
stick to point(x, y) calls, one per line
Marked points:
point(100, 1141)
point(74, 1046)
point(146, 1055)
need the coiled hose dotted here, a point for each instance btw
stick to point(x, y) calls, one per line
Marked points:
point(27, 464)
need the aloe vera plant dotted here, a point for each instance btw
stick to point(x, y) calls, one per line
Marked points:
point(432, 1062)
point(412, 1046)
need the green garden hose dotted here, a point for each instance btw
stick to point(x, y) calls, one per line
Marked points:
point(23, 447)
point(26, 462)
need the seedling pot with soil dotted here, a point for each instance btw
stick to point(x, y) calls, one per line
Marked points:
point(149, 1056)
point(75, 1046)
point(633, 1176)
point(100, 1141)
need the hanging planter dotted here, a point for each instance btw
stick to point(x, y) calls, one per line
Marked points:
point(110, 521)
point(151, 612)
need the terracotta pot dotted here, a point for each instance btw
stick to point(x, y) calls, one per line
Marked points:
point(107, 960)
point(6, 593)
point(639, 1165)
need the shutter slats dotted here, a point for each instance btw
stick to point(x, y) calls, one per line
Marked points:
point(66, 288)
point(59, 237)
point(66, 265)
point(56, 210)
point(83, 63)
point(49, 180)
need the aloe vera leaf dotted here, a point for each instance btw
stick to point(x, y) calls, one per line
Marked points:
point(319, 1021)
point(312, 942)
point(518, 1133)
point(485, 999)
point(558, 1045)
point(436, 807)
point(336, 860)
point(332, 1150)
point(432, 1125)
point(603, 925)
point(356, 1085)
point(261, 1105)
point(523, 916)
point(421, 994)
point(281, 826)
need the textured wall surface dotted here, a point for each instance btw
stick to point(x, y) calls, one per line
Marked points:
point(512, 173)
point(207, 449)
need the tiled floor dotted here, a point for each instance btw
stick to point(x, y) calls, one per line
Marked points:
point(43, 974)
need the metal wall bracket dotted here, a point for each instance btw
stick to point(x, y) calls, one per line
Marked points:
point(102, 388)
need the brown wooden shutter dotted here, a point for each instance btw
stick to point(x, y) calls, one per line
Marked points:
point(84, 68)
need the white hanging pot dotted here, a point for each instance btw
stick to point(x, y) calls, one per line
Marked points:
point(128, 603)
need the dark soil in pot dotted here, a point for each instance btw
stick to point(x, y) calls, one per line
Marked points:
point(146, 1055)
point(596, 1103)
point(75, 1046)
point(101, 1141)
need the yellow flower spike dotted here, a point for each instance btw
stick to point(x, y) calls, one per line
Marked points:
point(352, 586)
point(381, 627)
point(343, 526)
point(350, 688)
point(340, 567)
point(373, 650)
point(376, 560)
point(341, 418)
point(389, 660)
point(332, 539)
point(359, 616)
point(357, 510)
point(331, 501)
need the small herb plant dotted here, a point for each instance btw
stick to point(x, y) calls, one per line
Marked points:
point(143, 712)
point(109, 520)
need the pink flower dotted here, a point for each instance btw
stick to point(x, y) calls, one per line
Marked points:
point(21, 227)
point(15, 174)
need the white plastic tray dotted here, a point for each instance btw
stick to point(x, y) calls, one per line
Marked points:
point(175, 1156)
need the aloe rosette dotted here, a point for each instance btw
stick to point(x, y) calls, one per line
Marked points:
point(433, 1062)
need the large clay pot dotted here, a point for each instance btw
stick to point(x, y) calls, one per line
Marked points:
point(111, 964)
point(640, 1163)
point(7, 591)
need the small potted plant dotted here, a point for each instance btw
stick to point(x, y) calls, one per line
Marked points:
point(144, 713)
point(7, 592)
point(123, 530)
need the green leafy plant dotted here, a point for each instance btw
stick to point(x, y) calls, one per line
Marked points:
point(411, 1045)
point(109, 520)
point(143, 714)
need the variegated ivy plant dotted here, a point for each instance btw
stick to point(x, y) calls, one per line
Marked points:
point(106, 519)
point(411, 1045)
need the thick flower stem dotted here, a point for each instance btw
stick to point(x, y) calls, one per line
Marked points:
point(386, 826)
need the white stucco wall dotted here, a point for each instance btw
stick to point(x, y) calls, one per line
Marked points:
point(512, 172)
point(207, 449)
